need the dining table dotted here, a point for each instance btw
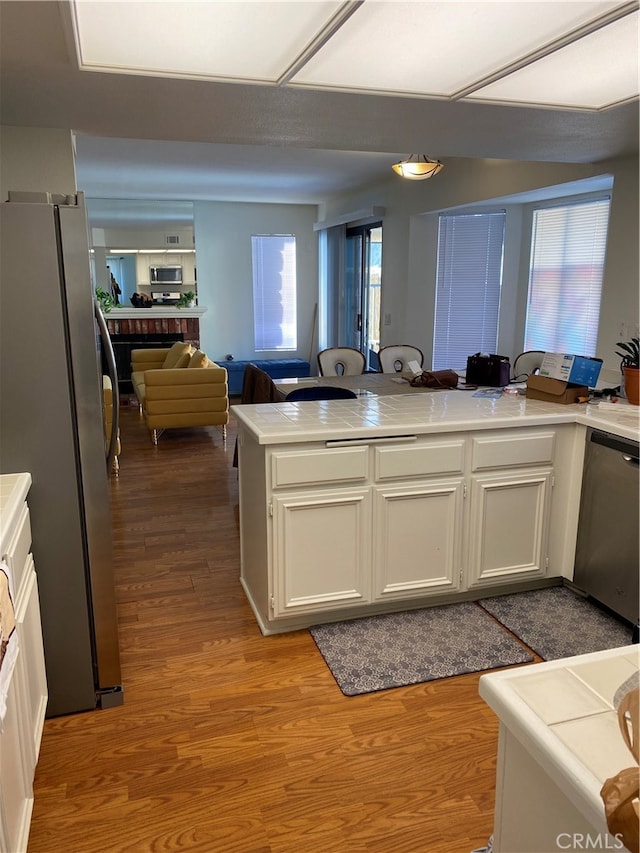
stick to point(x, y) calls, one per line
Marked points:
point(362, 385)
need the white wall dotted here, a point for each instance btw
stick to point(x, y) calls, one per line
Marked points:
point(410, 232)
point(36, 159)
point(223, 233)
point(619, 312)
point(42, 158)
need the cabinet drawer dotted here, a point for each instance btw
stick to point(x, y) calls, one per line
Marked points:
point(337, 465)
point(19, 548)
point(512, 451)
point(419, 460)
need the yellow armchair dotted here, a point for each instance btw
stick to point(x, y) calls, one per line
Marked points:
point(194, 394)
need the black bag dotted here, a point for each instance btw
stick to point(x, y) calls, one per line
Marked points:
point(483, 369)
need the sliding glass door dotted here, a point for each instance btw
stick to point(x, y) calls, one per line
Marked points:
point(360, 312)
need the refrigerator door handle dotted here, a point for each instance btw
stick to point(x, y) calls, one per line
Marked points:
point(107, 349)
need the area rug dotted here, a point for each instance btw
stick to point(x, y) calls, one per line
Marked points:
point(397, 649)
point(558, 623)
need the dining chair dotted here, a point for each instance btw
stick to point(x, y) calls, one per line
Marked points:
point(257, 387)
point(341, 361)
point(321, 392)
point(526, 363)
point(396, 357)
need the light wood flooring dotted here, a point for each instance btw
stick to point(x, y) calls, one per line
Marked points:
point(231, 742)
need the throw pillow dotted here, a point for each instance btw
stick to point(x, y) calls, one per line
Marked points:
point(178, 356)
point(199, 359)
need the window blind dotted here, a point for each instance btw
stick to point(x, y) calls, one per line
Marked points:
point(274, 291)
point(568, 249)
point(468, 283)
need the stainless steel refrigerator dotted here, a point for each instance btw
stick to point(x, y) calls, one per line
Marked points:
point(51, 425)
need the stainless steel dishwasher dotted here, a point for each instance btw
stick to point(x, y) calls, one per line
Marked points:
point(606, 565)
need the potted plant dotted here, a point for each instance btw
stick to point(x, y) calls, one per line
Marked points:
point(630, 365)
point(187, 300)
point(105, 300)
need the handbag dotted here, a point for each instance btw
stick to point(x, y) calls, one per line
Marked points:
point(620, 793)
point(435, 379)
point(484, 369)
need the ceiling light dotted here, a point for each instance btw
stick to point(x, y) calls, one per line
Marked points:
point(417, 167)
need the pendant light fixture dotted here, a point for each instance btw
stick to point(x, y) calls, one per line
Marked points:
point(417, 167)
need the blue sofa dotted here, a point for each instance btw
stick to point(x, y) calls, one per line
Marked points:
point(277, 368)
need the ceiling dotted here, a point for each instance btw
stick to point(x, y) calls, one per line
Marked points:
point(197, 136)
point(576, 54)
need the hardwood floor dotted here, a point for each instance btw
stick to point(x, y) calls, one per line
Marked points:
point(229, 741)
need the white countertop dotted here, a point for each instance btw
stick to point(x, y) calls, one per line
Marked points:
point(427, 412)
point(13, 491)
point(562, 712)
point(155, 311)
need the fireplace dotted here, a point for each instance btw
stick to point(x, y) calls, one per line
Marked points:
point(146, 333)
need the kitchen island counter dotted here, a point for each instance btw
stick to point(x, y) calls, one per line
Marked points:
point(559, 741)
point(361, 506)
point(371, 416)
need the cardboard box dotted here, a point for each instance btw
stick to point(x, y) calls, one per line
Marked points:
point(575, 369)
point(554, 390)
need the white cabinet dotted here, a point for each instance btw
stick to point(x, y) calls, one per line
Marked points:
point(27, 693)
point(417, 539)
point(321, 550)
point(508, 531)
point(321, 529)
point(510, 506)
point(30, 667)
point(418, 518)
point(337, 527)
point(186, 260)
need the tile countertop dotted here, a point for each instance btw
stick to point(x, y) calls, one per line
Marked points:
point(13, 491)
point(562, 712)
point(428, 412)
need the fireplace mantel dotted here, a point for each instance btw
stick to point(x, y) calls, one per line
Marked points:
point(158, 311)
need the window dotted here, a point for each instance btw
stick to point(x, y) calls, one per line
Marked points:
point(360, 318)
point(274, 291)
point(568, 245)
point(468, 282)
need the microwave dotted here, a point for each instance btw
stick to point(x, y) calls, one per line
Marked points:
point(165, 275)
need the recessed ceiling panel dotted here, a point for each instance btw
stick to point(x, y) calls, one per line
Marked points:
point(252, 41)
point(598, 70)
point(438, 48)
point(446, 49)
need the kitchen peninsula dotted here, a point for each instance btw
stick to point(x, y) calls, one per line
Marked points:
point(354, 507)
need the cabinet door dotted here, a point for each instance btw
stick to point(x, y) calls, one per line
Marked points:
point(417, 536)
point(16, 789)
point(509, 525)
point(30, 670)
point(321, 552)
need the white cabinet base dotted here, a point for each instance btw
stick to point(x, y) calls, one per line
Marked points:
point(351, 527)
point(559, 741)
point(27, 692)
point(533, 815)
